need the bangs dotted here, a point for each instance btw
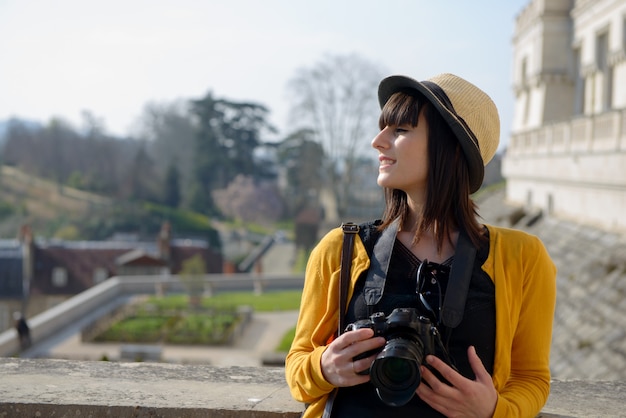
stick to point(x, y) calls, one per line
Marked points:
point(402, 108)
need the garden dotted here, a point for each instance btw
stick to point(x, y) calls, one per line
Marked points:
point(173, 320)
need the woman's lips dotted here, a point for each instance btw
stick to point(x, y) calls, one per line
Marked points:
point(385, 161)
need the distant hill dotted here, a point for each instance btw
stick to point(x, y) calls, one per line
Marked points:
point(58, 211)
point(40, 202)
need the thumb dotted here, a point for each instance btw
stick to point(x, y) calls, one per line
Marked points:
point(477, 365)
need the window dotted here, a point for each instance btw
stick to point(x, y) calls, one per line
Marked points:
point(59, 277)
point(624, 34)
point(605, 70)
point(579, 84)
point(525, 90)
point(550, 204)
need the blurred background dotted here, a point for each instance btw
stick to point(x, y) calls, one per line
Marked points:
point(200, 137)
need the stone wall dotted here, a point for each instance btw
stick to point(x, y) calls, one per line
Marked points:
point(61, 388)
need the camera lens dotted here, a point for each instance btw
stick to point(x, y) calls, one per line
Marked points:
point(395, 373)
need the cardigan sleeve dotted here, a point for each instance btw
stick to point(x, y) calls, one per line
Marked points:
point(317, 321)
point(527, 303)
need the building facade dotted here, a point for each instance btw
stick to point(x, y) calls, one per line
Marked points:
point(567, 151)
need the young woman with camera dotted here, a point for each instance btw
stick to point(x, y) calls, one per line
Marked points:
point(491, 326)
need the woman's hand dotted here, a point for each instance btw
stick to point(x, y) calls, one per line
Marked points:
point(337, 360)
point(465, 398)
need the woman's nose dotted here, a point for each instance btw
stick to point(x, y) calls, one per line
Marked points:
point(382, 139)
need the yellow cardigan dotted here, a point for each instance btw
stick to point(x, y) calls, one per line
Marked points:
point(525, 286)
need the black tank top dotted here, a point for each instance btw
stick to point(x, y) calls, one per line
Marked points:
point(477, 328)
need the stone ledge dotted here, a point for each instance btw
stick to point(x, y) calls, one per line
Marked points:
point(111, 389)
point(62, 388)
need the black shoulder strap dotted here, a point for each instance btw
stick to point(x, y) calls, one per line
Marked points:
point(369, 234)
point(349, 232)
point(379, 264)
point(458, 282)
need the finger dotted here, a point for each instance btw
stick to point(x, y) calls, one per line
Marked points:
point(363, 365)
point(428, 378)
point(360, 368)
point(348, 338)
point(355, 345)
point(434, 384)
point(447, 372)
point(367, 345)
point(427, 393)
point(477, 365)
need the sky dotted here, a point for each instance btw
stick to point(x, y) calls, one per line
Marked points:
point(112, 57)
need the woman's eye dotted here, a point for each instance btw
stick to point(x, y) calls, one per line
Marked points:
point(401, 130)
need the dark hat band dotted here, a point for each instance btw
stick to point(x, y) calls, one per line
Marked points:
point(441, 95)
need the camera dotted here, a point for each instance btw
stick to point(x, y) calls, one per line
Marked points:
point(410, 337)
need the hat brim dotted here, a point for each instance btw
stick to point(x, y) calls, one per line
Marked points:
point(437, 97)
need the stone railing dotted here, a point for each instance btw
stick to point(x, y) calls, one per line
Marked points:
point(84, 309)
point(62, 388)
point(602, 133)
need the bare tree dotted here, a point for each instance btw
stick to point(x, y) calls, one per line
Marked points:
point(169, 130)
point(336, 99)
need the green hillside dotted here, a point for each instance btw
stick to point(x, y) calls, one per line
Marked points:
point(44, 205)
point(60, 211)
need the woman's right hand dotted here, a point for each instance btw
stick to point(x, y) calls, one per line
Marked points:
point(338, 365)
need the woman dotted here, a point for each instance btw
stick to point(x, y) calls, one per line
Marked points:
point(493, 360)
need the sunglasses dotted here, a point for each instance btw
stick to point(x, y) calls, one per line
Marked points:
point(429, 290)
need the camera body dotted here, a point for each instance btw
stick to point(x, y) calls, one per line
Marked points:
point(410, 337)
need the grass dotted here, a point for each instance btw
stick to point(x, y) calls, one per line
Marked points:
point(266, 302)
point(170, 319)
point(285, 343)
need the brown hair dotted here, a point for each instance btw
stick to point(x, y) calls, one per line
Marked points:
point(448, 202)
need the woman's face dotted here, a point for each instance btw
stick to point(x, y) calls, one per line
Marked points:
point(403, 157)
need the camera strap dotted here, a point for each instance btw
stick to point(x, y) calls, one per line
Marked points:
point(349, 232)
point(379, 264)
point(458, 281)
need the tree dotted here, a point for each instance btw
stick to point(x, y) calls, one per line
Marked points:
point(93, 127)
point(336, 99)
point(191, 274)
point(170, 133)
point(61, 152)
point(248, 200)
point(303, 159)
point(227, 137)
point(141, 181)
point(172, 186)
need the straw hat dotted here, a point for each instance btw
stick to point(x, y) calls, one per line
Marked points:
point(469, 111)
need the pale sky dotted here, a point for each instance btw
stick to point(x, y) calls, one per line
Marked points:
point(111, 57)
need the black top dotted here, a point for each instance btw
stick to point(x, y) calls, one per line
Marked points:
point(477, 327)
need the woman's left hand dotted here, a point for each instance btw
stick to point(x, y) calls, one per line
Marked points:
point(465, 398)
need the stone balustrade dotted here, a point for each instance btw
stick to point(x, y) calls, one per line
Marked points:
point(62, 388)
point(604, 133)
